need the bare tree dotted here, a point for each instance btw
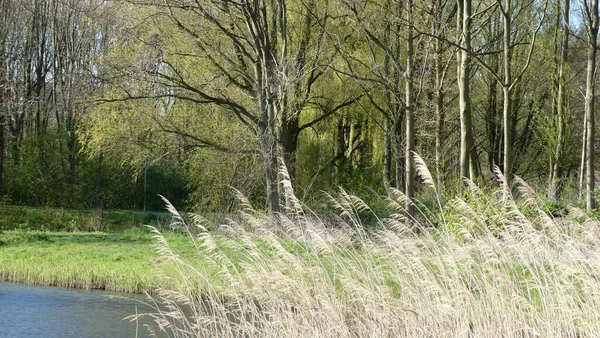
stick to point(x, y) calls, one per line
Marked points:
point(510, 79)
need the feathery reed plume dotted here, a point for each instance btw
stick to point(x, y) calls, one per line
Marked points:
point(546, 221)
point(506, 195)
point(292, 204)
point(578, 213)
point(473, 188)
point(243, 201)
point(527, 191)
point(425, 174)
point(423, 171)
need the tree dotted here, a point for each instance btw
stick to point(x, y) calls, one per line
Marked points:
point(509, 80)
point(468, 154)
point(410, 110)
point(260, 63)
point(561, 106)
point(591, 17)
point(4, 19)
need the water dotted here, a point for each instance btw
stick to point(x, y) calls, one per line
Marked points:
point(33, 311)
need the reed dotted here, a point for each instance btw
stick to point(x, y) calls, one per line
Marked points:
point(487, 265)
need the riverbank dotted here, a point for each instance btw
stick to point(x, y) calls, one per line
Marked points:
point(85, 260)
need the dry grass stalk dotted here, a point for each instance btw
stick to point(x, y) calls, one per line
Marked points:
point(504, 275)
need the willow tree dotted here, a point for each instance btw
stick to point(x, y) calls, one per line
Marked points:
point(257, 61)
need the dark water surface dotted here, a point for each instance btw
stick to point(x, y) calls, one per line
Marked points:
point(33, 311)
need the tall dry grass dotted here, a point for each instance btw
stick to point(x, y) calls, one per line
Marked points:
point(493, 266)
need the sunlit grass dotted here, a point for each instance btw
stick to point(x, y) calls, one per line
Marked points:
point(117, 262)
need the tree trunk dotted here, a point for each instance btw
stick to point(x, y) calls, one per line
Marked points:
point(491, 122)
point(3, 35)
point(468, 156)
point(387, 155)
point(398, 151)
point(589, 103)
point(290, 131)
point(439, 120)
point(506, 91)
point(268, 145)
point(268, 150)
point(410, 126)
point(2, 145)
point(439, 97)
point(583, 155)
point(555, 185)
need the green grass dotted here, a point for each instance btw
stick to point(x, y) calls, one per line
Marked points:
point(123, 261)
point(117, 262)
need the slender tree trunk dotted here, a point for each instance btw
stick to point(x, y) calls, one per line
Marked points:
point(589, 103)
point(2, 103)
point(98, 198)
point(468, 156)
point(439, 96)
point(583, 155)
point(506, 91)
point(340, 152)
point(555, 185)
point(410, 124)
point(387, 155)
point(491, 123)
point(439, 118)
point(268, 149)
point(398, 151)
point(4, 10)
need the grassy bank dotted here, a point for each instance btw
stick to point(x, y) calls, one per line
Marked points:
point(123, 261)
point(110, 261)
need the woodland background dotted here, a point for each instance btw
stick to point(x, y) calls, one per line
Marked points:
point(209, 95)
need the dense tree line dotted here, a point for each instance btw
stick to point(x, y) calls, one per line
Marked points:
point(213, 94)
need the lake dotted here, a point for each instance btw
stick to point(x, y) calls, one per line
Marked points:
point(34, 311)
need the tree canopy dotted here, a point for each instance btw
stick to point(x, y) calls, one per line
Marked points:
point(211, 94)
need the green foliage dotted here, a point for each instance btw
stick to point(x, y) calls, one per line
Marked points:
point(48, 219)
point(211, 176)
point(555, 209)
